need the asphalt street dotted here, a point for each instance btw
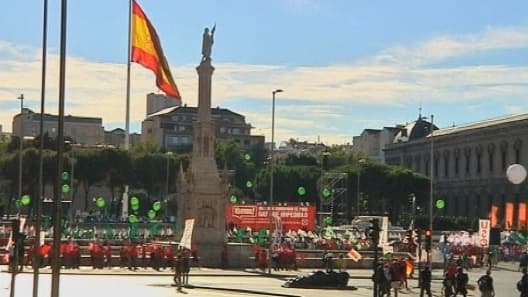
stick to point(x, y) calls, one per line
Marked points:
point(213, 282)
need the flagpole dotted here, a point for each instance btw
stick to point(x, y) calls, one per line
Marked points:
point(124, 204)
point(57, 211)
point(127, 119)
point(38, 202)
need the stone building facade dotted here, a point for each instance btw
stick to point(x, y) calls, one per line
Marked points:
point(82, 130)
point(469, 167)
point(172, 128)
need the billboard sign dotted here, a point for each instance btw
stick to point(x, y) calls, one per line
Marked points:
point(292, 217)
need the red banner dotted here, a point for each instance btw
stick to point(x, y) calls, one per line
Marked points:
point(258, 217)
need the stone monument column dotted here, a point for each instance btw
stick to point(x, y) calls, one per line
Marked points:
point(202, 191)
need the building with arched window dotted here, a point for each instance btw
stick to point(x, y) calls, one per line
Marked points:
point(469, 166)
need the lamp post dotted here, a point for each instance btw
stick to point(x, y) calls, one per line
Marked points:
point(432, 176)
point(21, 145)
point(358, 198)
point(431, 188)
point(270, 202)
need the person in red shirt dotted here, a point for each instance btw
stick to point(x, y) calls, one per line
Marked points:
point(132, 256)
point(64, 254)
point(108, 254)
point(169, 257)
point(45, 254)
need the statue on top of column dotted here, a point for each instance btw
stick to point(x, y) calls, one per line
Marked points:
point(207, 43)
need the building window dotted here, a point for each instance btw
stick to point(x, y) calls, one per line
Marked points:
point(446, 167)
point(467, 154)
point(490, 159)
point(175, 118)
point(517, 149)
point(457, 163)
point(236, 131)
point(222, 130)
point(479, 163)
point(181, 128)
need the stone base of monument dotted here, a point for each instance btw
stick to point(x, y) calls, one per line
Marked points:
point(321, 280)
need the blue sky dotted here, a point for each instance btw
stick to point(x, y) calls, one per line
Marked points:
point(344, 65)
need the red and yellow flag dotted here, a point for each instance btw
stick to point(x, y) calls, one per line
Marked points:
point(146, 50)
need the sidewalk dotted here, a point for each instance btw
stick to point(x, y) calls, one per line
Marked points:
point(202, 271)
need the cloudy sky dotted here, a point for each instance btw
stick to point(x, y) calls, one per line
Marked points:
point(344, 65)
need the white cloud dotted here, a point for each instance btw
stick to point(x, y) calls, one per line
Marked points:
point(444, 47)
point(313, 97)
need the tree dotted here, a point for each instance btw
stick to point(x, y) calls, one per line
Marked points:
point(88, 171)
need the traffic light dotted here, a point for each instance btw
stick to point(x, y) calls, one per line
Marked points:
point(428, 239)
point(65, 182)
point(373, 231)
point(409, 236)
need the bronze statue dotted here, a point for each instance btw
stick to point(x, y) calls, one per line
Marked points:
point(207, 43)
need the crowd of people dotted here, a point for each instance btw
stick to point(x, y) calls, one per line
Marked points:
point(102, 254)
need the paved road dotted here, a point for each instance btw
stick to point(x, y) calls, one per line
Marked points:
point(210, 282)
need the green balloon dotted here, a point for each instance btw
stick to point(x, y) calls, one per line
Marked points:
point(134, 206)
point(249, 184)
point(132, 219)
point(233, 199)
point(326, 193)
point(65, 188)
point(151, 214)
point(134, 201)
point(156, 205)
point(301, 191)
point(247, 157)
point(440, 203)
point(25, 200)
point(100, 202)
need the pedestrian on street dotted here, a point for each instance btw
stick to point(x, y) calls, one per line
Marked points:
point(522, 285)
point(485, 284)
point(178, 271)
point(461, 281)
point(186, 267)
point(425, 282)
point(448, 284)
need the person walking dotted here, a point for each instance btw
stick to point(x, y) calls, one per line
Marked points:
point(522, 285)
point(461, 280)
point(448, 284)
point(485, 284)
point(186, 267)
point(425, 282)
point(178, 272)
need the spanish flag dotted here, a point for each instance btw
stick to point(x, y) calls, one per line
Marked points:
point(146, 50)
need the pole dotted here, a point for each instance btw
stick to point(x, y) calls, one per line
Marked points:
point(358, 188)
point(57, 211)
point(124, 204)
point(20, 147)
point(127, 116)
point(270, 202)
point(431, 187)
point(38, 201)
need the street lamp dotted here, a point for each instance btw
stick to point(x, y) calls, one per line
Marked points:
point(21, 145)
point(432, 176)
point(360, 162)
point(270, 202)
